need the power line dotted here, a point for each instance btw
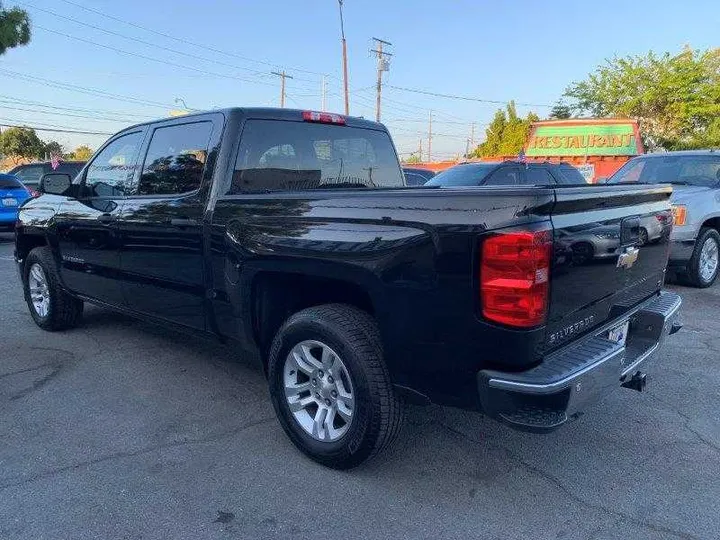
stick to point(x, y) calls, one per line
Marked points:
point(463, 98)
point(138, 40)
point(149, 58)
point(65, 114)
point(84, 90)
point(21, 101)
point(47, 127)
point(185, 41)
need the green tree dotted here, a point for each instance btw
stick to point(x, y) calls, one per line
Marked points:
point(82, 153)
point(52, 148)
point(560, 111)
point(507, 133)
point(412, 158)
point(19, 143)
point(14, 28)
point(675, 98)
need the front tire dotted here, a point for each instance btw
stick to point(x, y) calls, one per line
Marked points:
point(704, 265)
point(50, 306)
point(330, 386)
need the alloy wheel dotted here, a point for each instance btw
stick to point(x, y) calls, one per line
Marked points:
point(318, 390)
point(39, 290)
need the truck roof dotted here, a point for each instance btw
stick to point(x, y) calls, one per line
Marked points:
point(268, 113)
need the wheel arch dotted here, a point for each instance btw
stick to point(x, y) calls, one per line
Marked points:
point(275, 295)
point(712, 222)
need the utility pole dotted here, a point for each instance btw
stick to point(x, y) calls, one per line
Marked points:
point(323, 107)
point(382, 65)
point(472, 135)
point(430, 139)
point(282, 76)
point(344, 58)
point(420, 150)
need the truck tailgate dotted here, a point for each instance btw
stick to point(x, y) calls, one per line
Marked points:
point(611, 249)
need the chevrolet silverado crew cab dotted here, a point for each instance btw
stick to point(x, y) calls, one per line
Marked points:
point(293, 235)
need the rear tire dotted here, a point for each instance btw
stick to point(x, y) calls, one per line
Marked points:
point(375, 416)
point(50, 306)
point(705, 257)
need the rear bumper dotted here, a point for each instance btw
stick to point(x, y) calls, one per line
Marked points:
point(569, 380)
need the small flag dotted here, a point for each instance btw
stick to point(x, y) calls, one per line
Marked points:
point(54, 161)
point(521, 155)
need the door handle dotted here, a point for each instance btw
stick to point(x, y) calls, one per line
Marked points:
point(106, 218)
point(183, 222)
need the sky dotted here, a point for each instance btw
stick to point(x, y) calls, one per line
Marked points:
point(101, 65)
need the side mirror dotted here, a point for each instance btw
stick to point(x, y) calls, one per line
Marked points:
point(55, 183)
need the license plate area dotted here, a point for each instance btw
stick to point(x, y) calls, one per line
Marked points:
point(9, 201)
point(619, 333)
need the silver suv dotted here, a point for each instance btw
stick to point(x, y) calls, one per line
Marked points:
point(695, 176)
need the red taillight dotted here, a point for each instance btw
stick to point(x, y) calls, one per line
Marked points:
point(323, 118)
point(515, 278)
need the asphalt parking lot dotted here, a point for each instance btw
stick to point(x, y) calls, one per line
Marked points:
point(120, 429)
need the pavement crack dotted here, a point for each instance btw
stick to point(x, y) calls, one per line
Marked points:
point(686, 424)
point(567, 491)
point(19, 480)
point(27, 370)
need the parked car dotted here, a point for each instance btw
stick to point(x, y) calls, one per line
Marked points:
point(695, 176)
point(292, 234)
point(508, 173)
point(414, 176)
point(12, 195)
point(30, 173)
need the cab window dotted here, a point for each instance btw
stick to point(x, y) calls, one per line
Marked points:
point(111, 171)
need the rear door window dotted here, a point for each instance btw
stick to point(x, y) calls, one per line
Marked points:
point(414, 179)
point(567, 174)
point(505, 176)
point(538, 176)
point(175, 159)
point(290, 156)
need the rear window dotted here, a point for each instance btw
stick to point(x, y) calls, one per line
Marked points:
point(463, 175)
point(289, 156)
point(567, 174)
point(9, 182)
point(699, 170)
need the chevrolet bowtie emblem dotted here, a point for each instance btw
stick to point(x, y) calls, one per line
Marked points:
point(628, 258)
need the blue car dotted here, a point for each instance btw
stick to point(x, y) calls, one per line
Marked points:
point(12, 194)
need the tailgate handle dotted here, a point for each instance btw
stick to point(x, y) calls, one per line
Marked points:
point(630, 231)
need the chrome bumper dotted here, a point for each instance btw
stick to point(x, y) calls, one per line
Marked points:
point(568, 380)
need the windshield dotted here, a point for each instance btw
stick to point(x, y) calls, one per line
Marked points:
point(698, 170)
point(463, 175)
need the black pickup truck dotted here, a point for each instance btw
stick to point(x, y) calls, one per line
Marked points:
point(292, 234)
